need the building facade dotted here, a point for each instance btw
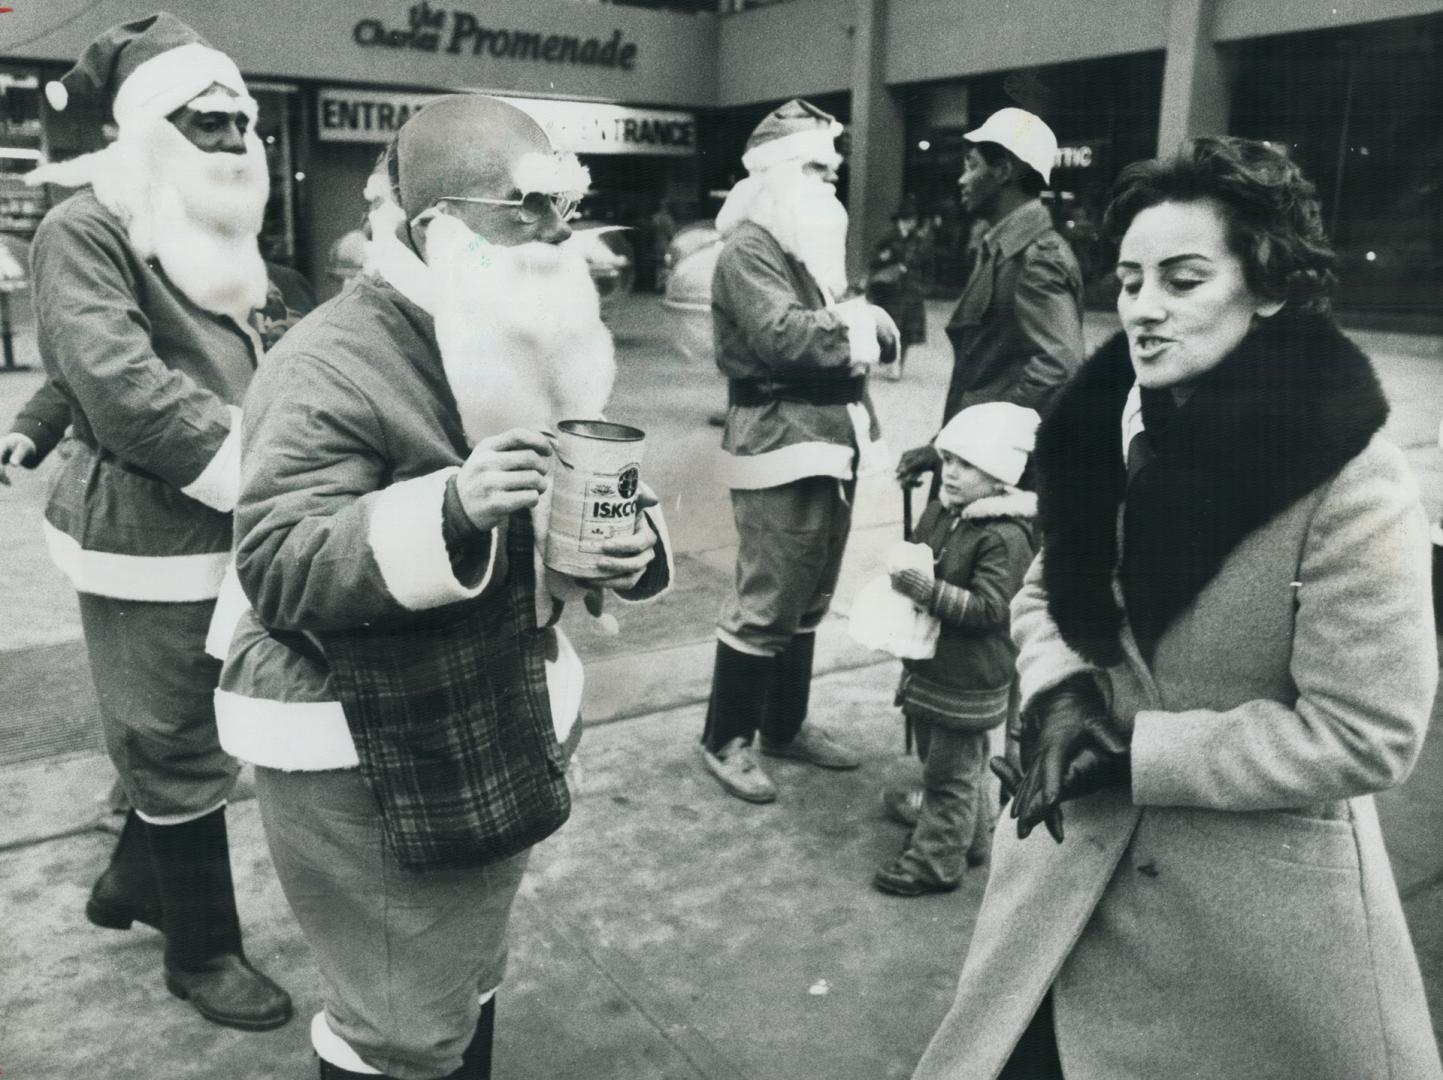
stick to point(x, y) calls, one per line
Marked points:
point(659, 102)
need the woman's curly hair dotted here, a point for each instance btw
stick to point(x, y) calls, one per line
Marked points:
point(1273, 220)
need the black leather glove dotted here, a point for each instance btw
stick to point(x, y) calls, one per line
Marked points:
point(1070, 747)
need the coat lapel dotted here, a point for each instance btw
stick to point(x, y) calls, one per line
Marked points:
point(1284, 412)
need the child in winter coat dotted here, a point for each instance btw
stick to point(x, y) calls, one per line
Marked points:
point(980, 531)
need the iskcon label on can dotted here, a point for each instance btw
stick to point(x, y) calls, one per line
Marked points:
point(595, 492)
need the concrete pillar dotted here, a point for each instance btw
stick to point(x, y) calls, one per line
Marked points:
point(878, 132)
point(1196, 78)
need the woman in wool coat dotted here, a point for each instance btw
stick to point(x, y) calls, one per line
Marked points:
point(1226, 647)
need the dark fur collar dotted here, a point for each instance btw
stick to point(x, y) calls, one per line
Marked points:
point(1293, 403)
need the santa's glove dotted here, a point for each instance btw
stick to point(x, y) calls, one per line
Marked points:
point(1070, 747)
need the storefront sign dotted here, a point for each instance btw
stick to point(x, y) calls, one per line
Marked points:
point(1073, 157)
point(372, 116)
point(435, 29)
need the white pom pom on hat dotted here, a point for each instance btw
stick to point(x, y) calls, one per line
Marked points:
point(995, 436)
point(57, 95)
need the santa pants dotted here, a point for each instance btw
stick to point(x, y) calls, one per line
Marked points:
point(792, 539)
point(154, 683)
point(405, 957)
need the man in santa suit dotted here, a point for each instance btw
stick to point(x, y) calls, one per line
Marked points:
point(153, 308)
point(798, 429)
point(394, 456)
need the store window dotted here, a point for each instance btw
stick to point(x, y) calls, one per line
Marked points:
point(1361, 110)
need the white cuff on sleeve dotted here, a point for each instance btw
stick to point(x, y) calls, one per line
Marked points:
point(409, 545)
point(861, 330)
point(218, 485)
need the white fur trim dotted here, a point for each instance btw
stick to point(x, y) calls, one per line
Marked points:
point(1438, 534)
point(814, 144)
point(407, 542)
point(331, 1047)
point(861, 330)
point(401, 267)
point(57, 95)
point(747, 472)
point(1010, 504)
point(565, 684)
point(551, 174)
point(225, 103)
point(218, 485)
point(173, 78)
point(77, 172)
point(167, 579)
point(230, 606)
point(294, 736)
point(732, 641)
point(179, 819)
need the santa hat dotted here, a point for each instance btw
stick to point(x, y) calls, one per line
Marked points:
point(149, 68)
point(995, 437)
point(796, 131)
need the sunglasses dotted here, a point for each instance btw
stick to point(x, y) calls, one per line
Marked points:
point(532, 207)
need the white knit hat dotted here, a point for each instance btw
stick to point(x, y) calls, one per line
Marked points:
point(995, 436)
point(1022, 133)
point(796, 131)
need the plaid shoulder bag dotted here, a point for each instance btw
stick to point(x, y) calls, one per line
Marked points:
point(452, 723)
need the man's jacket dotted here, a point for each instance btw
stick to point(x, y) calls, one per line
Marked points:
point(154, 384)
point(1017, 330)
point(777, 337)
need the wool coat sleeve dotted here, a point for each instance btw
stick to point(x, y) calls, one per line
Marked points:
point(1043, 658)
point(43, 420)
point(326, 538)
point(95, 336)
point(1364, 660)
point(754, 286)
point(1048, 303)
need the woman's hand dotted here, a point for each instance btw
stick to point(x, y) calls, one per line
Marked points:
point(914, 585)
point(1070, 747)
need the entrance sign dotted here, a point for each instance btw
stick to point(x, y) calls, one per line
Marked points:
point(583, 127)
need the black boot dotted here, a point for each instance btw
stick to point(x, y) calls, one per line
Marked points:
point(741, 686)
point(126, 893)
point(740, 689)
point(204, 962)
point(476, 1062)
point(783, 734)
point(791, 692)
point(335, 1072)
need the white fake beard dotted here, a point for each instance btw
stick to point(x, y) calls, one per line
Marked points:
point(522, 344)
point(805, 216)
point(520, 332)
point(198, 213)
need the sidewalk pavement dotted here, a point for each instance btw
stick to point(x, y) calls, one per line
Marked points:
point(667, 930)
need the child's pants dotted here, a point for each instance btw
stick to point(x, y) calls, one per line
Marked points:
point(958, 813)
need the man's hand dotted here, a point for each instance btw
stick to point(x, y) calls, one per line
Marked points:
point(889, 338)
point(504, 473)
point(15, 449)
point(917, 462)
point(914, 585)
point(625, 558)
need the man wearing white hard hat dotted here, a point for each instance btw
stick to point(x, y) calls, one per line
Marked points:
point(799, 428)
point(1016, 332)
point(153, 307)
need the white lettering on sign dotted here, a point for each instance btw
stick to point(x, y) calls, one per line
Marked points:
point(1073, 157)
point(374, 116)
